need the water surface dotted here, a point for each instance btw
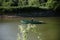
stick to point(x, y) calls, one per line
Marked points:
point(49, 31)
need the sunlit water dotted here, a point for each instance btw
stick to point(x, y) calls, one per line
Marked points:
point(17, 31)
point(24, 29)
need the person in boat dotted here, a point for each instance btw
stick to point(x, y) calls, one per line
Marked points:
point(32, 19)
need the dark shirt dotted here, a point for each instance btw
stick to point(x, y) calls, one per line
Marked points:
point(32, 20)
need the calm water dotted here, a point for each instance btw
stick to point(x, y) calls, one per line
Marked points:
point(48, 31)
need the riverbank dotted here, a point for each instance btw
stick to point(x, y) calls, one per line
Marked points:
point(12, 18)
point(6, 18)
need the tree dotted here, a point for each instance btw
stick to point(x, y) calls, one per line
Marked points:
point(1, 1)
point(22, 2)
point(7, 3)
point(33, 2)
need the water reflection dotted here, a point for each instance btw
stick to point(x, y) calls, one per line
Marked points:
point(24, 29)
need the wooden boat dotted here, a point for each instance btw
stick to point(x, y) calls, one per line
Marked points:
point(31, 22)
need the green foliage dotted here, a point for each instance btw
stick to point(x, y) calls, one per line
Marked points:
point(50, 4)
point(33, 2)
point(20, 3)
point(56, 5)
point(7, 4)
point(1, 1)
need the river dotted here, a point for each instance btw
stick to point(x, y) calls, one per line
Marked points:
point(48, 31)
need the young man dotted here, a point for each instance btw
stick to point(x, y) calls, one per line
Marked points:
point(32, 19)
